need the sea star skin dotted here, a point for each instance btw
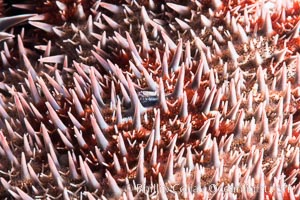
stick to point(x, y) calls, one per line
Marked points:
point(161, 100)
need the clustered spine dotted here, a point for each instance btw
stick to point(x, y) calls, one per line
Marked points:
point(150, 100)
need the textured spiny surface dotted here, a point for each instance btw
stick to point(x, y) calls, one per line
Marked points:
point(160, 100)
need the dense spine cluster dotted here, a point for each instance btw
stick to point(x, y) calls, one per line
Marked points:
point(150, 99)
